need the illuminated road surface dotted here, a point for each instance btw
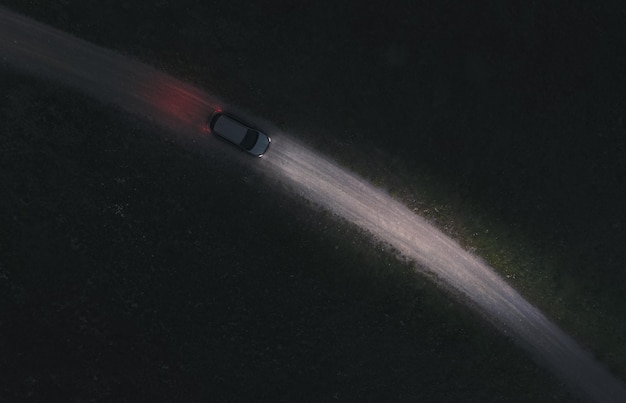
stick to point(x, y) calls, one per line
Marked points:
point(140, 89)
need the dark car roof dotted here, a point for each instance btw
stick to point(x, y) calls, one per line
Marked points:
point(229, 128)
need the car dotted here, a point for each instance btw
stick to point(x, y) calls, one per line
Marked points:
point(248, 139)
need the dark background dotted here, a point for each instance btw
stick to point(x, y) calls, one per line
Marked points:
point(511, 112)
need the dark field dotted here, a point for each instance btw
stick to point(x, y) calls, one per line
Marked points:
point(504, 125)
point(132, 270)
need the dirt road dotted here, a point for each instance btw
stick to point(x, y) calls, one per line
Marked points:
point(41, 50)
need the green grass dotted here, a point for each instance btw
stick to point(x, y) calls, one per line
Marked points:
point(132, 270)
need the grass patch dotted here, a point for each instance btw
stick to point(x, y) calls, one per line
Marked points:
point(132, 270)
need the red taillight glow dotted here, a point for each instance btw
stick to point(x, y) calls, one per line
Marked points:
point(176, 104)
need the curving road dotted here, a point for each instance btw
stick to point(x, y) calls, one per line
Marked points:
point(140, 89)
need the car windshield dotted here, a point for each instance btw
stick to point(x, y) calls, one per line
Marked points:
point(250, 140)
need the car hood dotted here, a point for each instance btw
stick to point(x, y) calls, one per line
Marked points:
point(261, 145)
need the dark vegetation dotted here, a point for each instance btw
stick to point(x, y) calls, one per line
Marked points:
point(132, 270)
point(503, 124)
